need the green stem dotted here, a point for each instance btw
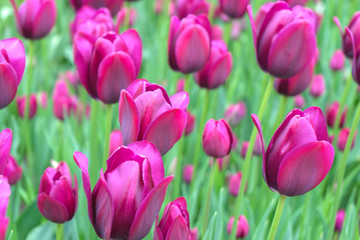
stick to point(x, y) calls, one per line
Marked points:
point(206, 206)
point(228, 32)
point(187, 83)
point(281, 112)
point(59, 231)
point(340, 173)
point(304, 217)
point(107, 135)
point(277, 217)
point(177, 183)
point(247, 162)
point(94, 146)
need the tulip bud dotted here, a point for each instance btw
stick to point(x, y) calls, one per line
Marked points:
point(12, 65)
point(234, 113)
point(43, 99)
point(299, 155)
point(194, 234)
point(293, 3)
point(340, 217)
point(217, 32)
point(242, 228)
point(12, 171)
point(218, 14)
point(116, 140)
point(337, 61)
point(237, 26)
point(332, 111)
point(317, 88)
point(299, 101)
point(234, 8)
point(175, 222)
point(234, 184)
point(189, 43)
point(126, 13)
point(61, 100)
point(35, 18)
point(257, 146)
point(196, 7)
point(21, 105)
point(133, 181)
point(190, 123)
point(343, 138)
point(188, 173)
point(354, 27)
point(261, 14)
point(57, 199)
point(221, 163)
point(244, 148)
point(180, 85)
point(4, 201)
point(218, 67)
point(5, 147)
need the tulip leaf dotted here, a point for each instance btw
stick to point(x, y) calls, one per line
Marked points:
point(210, 230)
point(43, 231)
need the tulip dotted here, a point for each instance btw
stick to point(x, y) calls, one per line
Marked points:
point(194, 234)
point(190, 123)
point(299, 155)
point(234, 184)
point(257, 146)
point(12, 65)
point(180, 85)
point(4, 201)
point(147, 113)
point(188, 173)
point(299, 101)
point(5, 147)
point(70, 77)
point(234, 8)
point(343, 138)
point(216, 32)
point(218, 67)
point(128, 196)
point(21, 103)
point(242, 228)
point(354, 27)
point(293, 3)
point(234, 113)
point(244, 148)
point(57, 199)
point(317, 87)
point(337, 61)
point(77, 4)
point(43, 99)
point(182, 8)
point(261, 14)
point(12, 171)
point(237, 26)
point(217, 138)
point(221, 163)
point(219, 14)
point(189, 43)
point(332, 111)
point(35, 18)
point(113, 5)
point(61, 100)
point(285, 43)
point(116, 140)
point(340, 217)
point(123, 14)
point(108, 65)
point(175, 222)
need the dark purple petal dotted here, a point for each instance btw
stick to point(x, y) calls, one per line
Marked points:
point(129, 118)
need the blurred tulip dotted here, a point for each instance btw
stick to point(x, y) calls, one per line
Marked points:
point(61, 100)
point(189, 43)
point(218, 14)
point(237, 26)
point(70, 77)
point(285, 43)
point(332, 111)
point(77, 4)
point(5, 147)
point(128, 196)
point(234, 8)
point(244, 148)
point(299, 101)
point(113, 5)
point(235, 112)
point(12, 65)
point(43, 99)
point(159, 6)
point(337, 61)
point(218, 67)
point(182, 8)
point(108, 65)
point(57, 199)
point(234, 184)
point(21, 103)
point(292, 3)
point(116, 140)
point(147, 113)
point(175, 222)
point(180, 85)
point(317, 87)
point(123, 14)
point(217, 138)
point(35, 18)
point(188, 173)
point(4, 201)
point(354, 27)
point(194, 234)
point(299, 155)
point(221, 163)
point(242, 228)
point(257, 146)
point(13, 171)
point(261, 14)
point(343, 138)
point(190, 123)
point(217, 32)
point(340, 217)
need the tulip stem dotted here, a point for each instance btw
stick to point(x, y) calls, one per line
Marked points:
point(94, 139)
point(206, 206)
point(247, 162)
point(340, 173)
point(177, 184)
point(187, 83)
point(59, 231)
point(107, 134)
point(277, 217)
point(281, 112)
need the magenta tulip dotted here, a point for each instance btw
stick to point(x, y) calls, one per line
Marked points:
point(4, 201)
point(12, 171)
point(234, 113)
point(35, 18)
point(147, 113)
point(113, 5)
point(337, 61)
point(261, 14)
point(194, 234)
point(128, 196)
point(299, 101)
point(190, 123)
point(285, 43)
point(43, 99)
point(354, 27)
point(189, 43)
point(218, 67)
point(244, 148)
point(237, 26)
point(242, 227)
point(182, 8)
point(21, 103)
point(188, 173)
point(12, 65)
point(180, 85)
point(296, 2)
point(299, 155)
point(216, 32)
point(234, 8)
point(343, 138)
point(123, 14)
point(234, 184)
point(332, 111)
point(116, 140)
point(175, 223)
point(340, 217)
point(108, 65)
point(57, 199)
point(5, 147)
point(317, 87)
point(62, 103)
point(217, 138)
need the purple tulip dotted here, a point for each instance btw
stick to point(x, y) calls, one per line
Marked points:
point(182, 8)
point(216, 32)
point(299, 101)
point(218, 14)
point(116, 140)
point(244, 148)
point(234, 184)
point(332, 111)
point(237, 26)
point(108, 65)
point(317, 87)
point(123, 14)
point(234, 113)
point(175, 223)
point(194, 234)
point(340, 217)
point(347, 42)
point(43, 99)
point(12, 171)
point(234, 8)
point(35, 18)
point(337, 61)
point(180, 85)
point(261, 14)
point(62, 103)
point(189, 43)
point(57, 199)
point(147, 113)
point(218, 67)
point(242, 228)
point(285, 43)
point(343, 138)
point(188, 173)
point(217, 138)
point(113, 5)
point(12, 65)
point(21, 103)
point(190, 123)
point(299, 155)
point(128, 196)
point(5, 147)
point(293, 3)
point(4, 201)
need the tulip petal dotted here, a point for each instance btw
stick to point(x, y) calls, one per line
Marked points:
point(318, 122)
point(5, 147)
point(119, 156)
point(134, 45)
point(63, 193)
point(158, 234)
point(129, 118)
point(44, 20)
point(52, 209)
point(137, 87)
point(304, 168)
point(180, 100)
point(257, 123)
point(178, 230)
point(166, 129)
point(173, 28)
point(220, 70)
point(4, 222)
point(8, 84)
point(148, 210)
point(16, 53)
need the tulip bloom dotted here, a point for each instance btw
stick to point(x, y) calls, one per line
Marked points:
point(317, 87)
point(244, 148)
point(337, 61)
point(116, 140)
point(218, 67)
point(12, 65)
point(217, 138)
point(354, 27)
point(216, 32)
point(21, 103)
point(190, 123)
point(108, 65)
point(234, 184)
point(234, 8)
point(285, 43)
point(128, 196)
point(35, 18)
point(63, 103)
point(343, 138)
point(299, 155)
point(182, 8)
point(57, 200)
point(4, 201)
point(113, 5)
point(242, 227)
point(5, 147)
point(234, 113)
point(175, 223)
point(299, 101)
point(340, 217)
point(124, 13)
point(147, 113)
point(261, 14)
point(188, 173)
point(332, 111)
point(12, 171)
point(189, 43)
point(292, 3)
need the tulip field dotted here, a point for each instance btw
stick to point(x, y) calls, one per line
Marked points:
point(179, 119)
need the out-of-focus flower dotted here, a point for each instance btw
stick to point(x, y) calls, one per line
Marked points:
point(234, 113)
point(188, 173)
point(337, 61)
point(190, 123)
point(116, 140)
point(340, 217)
point(242, 228)
point(21, 105)
point(343, 138)
point(13, 171)
point(182, 8)
point(317, 87)
point(4, 201)
point(332, 111)
point(234, 8)
point(123, 14)
point(244, 148)
point(234, 183)
point(299, 101)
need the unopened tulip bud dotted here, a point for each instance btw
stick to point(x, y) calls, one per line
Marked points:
point(343, 138)
point(242, 228)
point(4, 201)
point(354, 27)
point(261, 14)
point(188, 173)
point(217, 32)
point(299, 101)
point(317, 87)
point(234, 184)
point(43, 99)
point(340, 217)
point(194, 234)
point(180, 85)
point(190, 123)
point(337, 61)
point(184, 8)
point(12, 171)
point(331, 113)
point(244, 148)
point(21, 105)
point(234, 8)
point(293, 3)
point(236, 28)
point(234, 113)
point(116, 140)
point(123, 14)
